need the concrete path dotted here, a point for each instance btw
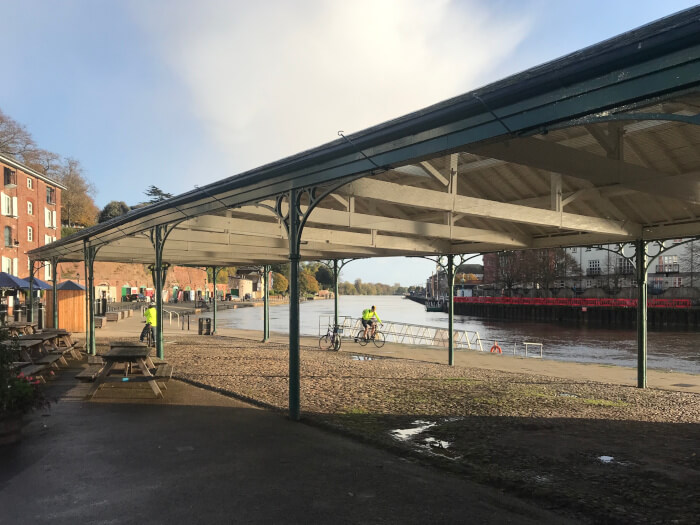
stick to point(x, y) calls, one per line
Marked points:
point(200, 457)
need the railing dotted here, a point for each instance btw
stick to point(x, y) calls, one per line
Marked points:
point(668, 268)
point(577, 302)
point(170, 316)
point(409, 334)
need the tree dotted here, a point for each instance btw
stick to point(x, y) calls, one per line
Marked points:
point(15, 140)
point(307, 283)
point(113, 209)
point(690, 260)
point(324, 276)
point(45, 162)
point(156, 194)
point(222, 275)
point(77, 206)
point(279, 283)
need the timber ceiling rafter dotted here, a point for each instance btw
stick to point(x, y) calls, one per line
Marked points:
point(566, 154)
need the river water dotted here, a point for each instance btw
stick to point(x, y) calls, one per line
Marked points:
point(677, 351)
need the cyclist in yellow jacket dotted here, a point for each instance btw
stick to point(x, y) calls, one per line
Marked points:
point(151, 322)
point(368, 322)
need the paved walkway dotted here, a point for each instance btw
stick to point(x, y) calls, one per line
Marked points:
point(200, 457)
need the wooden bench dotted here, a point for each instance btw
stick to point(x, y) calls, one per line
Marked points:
point(95, 360)
point(51, 360)
point(112, 316)
point(163, 373)
point(99, 321)
point(34, 370)
point(90, 372)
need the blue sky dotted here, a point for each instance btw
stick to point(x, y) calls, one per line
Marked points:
point(181, 93)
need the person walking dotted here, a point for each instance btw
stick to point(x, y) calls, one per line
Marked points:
point(151, 322)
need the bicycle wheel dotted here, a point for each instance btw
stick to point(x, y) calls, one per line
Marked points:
point(337, 342)
point(324, 342)
point(361, 339)
point(378, 339)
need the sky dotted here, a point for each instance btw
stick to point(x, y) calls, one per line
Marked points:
point(181, 93)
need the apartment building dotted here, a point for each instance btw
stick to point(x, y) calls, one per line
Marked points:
point(30, 215)
point(677, 268)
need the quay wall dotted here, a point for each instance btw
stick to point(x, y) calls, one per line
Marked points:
point(602, 316)
point(657, 318)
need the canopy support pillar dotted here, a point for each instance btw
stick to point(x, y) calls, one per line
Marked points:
point(215, 277)
point(266, 304)
point(158, 235)
point(89, 253)
point(336, 272)
point(641, 267)
point(450, 309)
point(54, 282)
point(30, 299)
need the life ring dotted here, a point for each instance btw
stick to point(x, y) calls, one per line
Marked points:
point(496, 348)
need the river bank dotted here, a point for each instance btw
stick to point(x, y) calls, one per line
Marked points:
point(570, 445)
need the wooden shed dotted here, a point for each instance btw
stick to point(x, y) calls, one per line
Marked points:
point(71, 307)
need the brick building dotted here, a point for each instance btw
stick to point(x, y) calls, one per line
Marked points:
point(30, 215)
point(115, 280)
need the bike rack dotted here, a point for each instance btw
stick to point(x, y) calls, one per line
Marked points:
point(407, 333)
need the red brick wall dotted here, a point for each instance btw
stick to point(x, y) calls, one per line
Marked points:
point(135, 275)
point(37, 196)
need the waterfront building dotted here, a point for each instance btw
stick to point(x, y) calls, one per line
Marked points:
point(30, 217)
point(599, 271)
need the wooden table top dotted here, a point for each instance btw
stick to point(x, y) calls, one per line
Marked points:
point(124, 344)
point(29, 343)
point(37, 337)
point(21, 324)
point(126, 353)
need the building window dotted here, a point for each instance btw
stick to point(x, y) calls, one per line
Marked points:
point(30, 183)
point(624, 266)
point(594, 267)
point(30, 208)
point(9, 205)
point(8, 236)
point(30, 233)
point(51, 195)
point(574, 250)
point(10, 178)
point(677, 282)
point(49, 218)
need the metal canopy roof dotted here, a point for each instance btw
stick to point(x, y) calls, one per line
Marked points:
point(599, 146)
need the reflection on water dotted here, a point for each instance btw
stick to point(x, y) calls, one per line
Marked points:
point(679, 351)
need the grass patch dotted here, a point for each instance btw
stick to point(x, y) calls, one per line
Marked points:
point(605, 403)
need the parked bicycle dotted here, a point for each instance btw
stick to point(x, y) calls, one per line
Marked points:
point(378, 338)
point(332, 340)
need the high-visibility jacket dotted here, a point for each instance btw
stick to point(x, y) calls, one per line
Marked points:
point(150, 315)
point(367, 314)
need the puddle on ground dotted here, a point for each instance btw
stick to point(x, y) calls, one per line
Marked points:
point(404, 434)
point(436, 443)
point(606, 459)
point(362, 358)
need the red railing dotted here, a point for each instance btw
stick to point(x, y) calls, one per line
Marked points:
point(609, 303)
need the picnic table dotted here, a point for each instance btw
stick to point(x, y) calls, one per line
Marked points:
point(38, 357)
point(21, 327)
point(64, 339)
point(128, 353)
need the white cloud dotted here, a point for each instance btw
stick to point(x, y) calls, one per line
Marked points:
point(270, 79)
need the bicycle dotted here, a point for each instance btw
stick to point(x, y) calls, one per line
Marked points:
point(149, 336)
point(332, 340)
point(378, 338)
